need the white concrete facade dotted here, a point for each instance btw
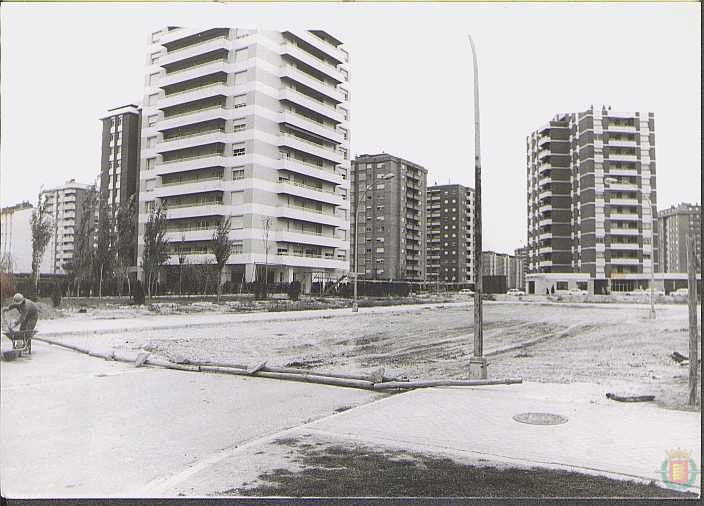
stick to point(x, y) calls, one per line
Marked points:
point(251, 125)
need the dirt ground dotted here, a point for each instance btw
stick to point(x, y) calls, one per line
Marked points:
point(617, 346)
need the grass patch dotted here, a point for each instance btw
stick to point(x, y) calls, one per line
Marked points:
point(337, 471)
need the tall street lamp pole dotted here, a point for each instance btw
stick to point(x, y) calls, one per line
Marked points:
point(477, 363)
point(612, 180)
point(355, 306)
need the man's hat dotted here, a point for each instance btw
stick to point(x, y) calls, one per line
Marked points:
point(18, 298)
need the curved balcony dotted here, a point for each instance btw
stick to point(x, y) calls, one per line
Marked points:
point(300, 144)
point(304, 100)
point(543, 181)
point(201, 162)
point(182, 97)
point(201, 70)
point(544, 222)
point(312, 126)
point(544, 235)
point(616, 171)
point(544, 153)
point(195, 210)
point(619, 157)
point(545, 250)
point(322, 45)
point(291, 72)
point(622, 143)
point(308, 169)
point(311, 215)
point(545, 194)
point(189, 141)
point(292, 50)
point(310, 192)
point(200, 186)
point(545, 208)
point(545, 263)
point(188, 118)
point(312, 239)
point(544, 167)
point(176, 55)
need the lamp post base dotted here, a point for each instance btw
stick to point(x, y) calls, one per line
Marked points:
point(477, 368)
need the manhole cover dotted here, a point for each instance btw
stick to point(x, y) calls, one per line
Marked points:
point(540, 418)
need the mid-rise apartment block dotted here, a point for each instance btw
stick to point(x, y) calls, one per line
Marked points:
point(592, 195)
point(251, 125)
point(63, 206)
point(16, 240)
point(391, 195)
point(449, 241)
point(676, 225)
point(119, 162)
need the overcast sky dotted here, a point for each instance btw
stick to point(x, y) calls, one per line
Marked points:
point(63, 66)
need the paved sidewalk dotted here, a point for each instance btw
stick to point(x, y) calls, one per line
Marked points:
point(89, 325)
point(628, 439)
point(601, 437)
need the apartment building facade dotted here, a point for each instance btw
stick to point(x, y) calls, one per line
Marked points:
point(676, 225)
point(119, 154)
point(63, 206)
point(449, 237)
point(16, 240)
point(521, 255)
point(592, 196)
point(251, 125)
point(392, 217)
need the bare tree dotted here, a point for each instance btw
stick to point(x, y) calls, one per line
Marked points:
point(105, 252)
point(125, 225)
point(267, 230)
point(156, 247)
point(182, 260)
point(84, 242)
point(41, 234)
point(222, 249)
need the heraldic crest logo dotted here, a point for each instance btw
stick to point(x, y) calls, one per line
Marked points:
point(679, 471)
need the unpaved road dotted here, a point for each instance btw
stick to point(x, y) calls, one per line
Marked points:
point(569, 343)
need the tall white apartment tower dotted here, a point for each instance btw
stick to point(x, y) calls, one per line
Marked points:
point(592, 196)
point(252, 125)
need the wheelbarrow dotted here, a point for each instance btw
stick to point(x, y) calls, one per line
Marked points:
point(21, 342)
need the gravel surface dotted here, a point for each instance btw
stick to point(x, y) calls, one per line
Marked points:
point(617, 346)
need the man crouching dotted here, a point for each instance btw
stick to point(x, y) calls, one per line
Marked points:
point(29, 313)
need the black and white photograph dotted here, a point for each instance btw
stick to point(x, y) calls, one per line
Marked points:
point(350, 250)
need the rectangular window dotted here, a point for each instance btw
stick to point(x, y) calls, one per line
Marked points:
point(239, 149)
point(152, 99)
point(151, 142)
point(380, 186)
point(239, 101)
point(237, 173)
point(150, 163)
point(238, 127)
point(153, 78)
point(151, 120)
point(237, 247)
point(154, 57)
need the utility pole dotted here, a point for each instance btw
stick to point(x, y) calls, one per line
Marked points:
point(477, 363)
point(693, 331)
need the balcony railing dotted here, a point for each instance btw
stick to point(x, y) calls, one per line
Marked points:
point(177, 93)
point(174, 51)
point(190, 181)
point(326, 62)
point(303, 95)
point(300, 139)
point(173, 72)
point(196, 134)
point(170, 205)
point(194, 157)
point(306, 186)
point(194, 111)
